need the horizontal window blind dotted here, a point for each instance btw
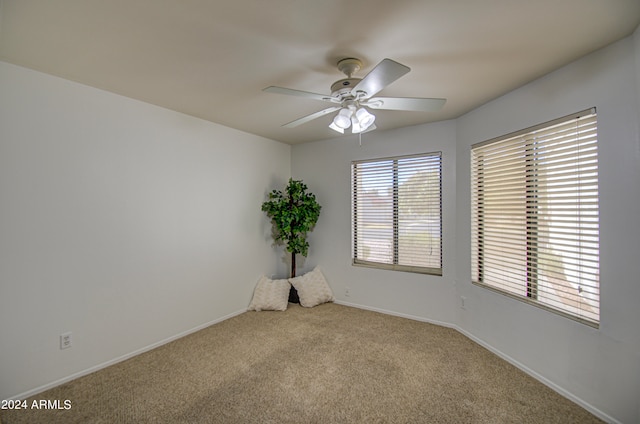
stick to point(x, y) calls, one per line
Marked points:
point(535, 219)
point(396, 213)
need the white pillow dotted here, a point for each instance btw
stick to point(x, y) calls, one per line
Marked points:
point(312, 288)
point(270, 295)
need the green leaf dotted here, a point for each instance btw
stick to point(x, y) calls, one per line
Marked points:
point(293, 213)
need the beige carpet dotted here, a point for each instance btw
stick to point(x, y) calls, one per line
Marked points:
point(329, 364)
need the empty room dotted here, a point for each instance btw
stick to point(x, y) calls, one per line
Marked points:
point(319, 211)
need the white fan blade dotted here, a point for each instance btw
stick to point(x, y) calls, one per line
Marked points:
point(385, 72)
point(405, 103)
point(299, 93)
point(311, 117)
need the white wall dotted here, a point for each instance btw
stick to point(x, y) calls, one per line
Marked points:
point(130, 224)
point(325, 167)
point(636, 42)
point(124, 223)
point(599, 368)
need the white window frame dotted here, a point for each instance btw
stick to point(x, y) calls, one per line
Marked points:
point(402, 241)
point(535, 216)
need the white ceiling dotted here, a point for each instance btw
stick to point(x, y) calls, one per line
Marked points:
point(211, 59)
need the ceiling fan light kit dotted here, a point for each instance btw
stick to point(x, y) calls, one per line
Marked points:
point(359, 120)
point(365, 118)
point(351, 95)
point(343, 118)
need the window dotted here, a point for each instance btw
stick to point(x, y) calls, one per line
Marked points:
point(534, 217)
point(397, 213)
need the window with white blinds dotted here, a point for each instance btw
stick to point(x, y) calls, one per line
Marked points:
point(397, 213)
point(534, 217)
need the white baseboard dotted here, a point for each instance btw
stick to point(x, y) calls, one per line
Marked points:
point(563, 392)
point(595, 411)
point(397, 314)
point(512, 361)
point(121, 358)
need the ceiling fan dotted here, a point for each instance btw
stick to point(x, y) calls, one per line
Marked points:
point(352, 96)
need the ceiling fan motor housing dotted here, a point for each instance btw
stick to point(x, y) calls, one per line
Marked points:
point(344, 86)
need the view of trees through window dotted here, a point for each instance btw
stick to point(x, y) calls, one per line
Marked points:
point(535, 225)
point(397, 213)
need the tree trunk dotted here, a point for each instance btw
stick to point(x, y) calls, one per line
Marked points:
point(293, 293)
point(293, 265)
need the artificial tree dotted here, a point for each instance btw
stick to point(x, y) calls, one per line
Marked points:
point(293, 212)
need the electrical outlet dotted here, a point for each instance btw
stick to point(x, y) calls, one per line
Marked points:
point(463, 302)
point(346, 292)
point(65, 340)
